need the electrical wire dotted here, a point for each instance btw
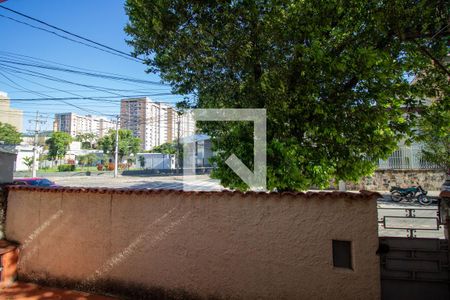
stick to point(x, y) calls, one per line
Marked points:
point(32, 59)
point(64, 37)
point(42, 94)
point(71, 34)
point(98, 75)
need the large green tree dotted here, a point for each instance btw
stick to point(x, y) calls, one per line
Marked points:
point(166, 148)
point(58, 144)
point(86, 139)
point(434, 132)
point(332, 75)
point(87, 159)
point(128, 143)
point(9, 134)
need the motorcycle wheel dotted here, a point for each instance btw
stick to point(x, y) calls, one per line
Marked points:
point(396, 196)
point(424, 200)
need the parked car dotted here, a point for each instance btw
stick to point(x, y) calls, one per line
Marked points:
point(35, 182)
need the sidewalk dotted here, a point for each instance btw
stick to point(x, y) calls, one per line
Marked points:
point(29, 291)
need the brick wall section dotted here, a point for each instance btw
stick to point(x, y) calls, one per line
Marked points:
point(9, 254)
point(383, 180)
point(3, 198)
point(225, 244)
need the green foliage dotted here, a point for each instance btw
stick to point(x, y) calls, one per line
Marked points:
point(86, 139)
point(82, 160)
point(87, 159)
point(43, 158)
point(58, 144)
point(66, 168)
point(166, 148)
point(142, 161)
point(434, 132)
point(128, 144)
point(28, 161)
point(9, 134)
point(331, 75)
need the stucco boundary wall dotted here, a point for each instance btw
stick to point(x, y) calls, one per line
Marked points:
point(209, 244)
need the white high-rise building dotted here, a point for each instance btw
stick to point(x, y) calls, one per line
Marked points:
point(10, 115)
point(187, 124)
point(154, 123)
point(75, 124)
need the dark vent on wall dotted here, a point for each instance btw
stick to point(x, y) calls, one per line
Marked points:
point(342, 254)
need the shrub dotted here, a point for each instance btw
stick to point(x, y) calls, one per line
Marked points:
point(66, 168)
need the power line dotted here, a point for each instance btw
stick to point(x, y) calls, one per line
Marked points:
point(102, 98)
point(70, 33)
point(56, 79)
point(41, 60)
point(30, 61)
point(17, 113)
point(52, 78)
point(99, 75)
point(42, 94)
point(86, 90)
point(64, 37)
point(71, 93)
point(61, 100)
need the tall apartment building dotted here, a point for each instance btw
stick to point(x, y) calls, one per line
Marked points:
point(154, 123)
point(75, 124)
point(10, 115)
point(187, 124)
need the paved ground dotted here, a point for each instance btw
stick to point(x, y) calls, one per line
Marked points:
point(198, 183)
point(28, 291)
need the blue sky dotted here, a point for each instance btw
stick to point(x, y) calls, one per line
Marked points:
point(99, 20)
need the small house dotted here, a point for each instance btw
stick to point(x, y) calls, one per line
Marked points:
point(7, 162)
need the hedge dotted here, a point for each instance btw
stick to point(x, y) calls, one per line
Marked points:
point(66, 168)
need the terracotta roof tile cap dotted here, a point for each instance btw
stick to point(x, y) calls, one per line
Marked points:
point(363, 194)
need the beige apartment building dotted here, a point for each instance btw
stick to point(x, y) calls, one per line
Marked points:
point(10, 115)
point(153, 122)
point(75, 124)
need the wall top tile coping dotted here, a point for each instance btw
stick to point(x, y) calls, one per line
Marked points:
point(444, 194)
point(6, 246)
point(361, 195)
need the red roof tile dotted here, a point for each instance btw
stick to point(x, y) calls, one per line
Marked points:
point(362, 195)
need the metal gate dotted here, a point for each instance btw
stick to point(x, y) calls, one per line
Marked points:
point(414, 268)
point(413, 254)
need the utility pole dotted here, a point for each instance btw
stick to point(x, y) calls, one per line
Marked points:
point(37, 121)
point(116, 151)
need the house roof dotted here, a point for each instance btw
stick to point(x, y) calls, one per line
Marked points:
point(10, 149)
point(195, 138)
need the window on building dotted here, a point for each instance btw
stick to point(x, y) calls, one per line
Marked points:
point(342, 254)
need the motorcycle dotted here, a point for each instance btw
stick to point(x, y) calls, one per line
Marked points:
point(410, 194)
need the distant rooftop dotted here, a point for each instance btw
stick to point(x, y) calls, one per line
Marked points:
point(195, 138)
point(11, 149)
point(145, 98)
